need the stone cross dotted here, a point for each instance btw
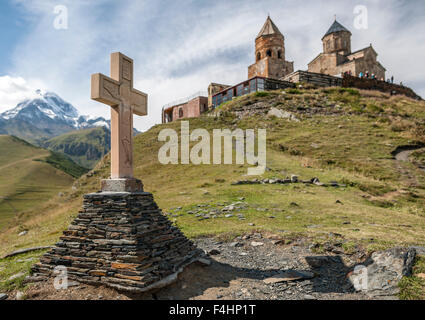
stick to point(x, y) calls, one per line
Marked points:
point(117, 91)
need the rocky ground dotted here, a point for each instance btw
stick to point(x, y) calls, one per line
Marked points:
point(254, 266)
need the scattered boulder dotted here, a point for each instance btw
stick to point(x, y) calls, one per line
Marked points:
point(236, 244)
point(16, 276)
point(274, 112)
point(419, 250)
point(23, 233)
point(257, 244)
point(228, 208)
point(293, 179)
point(19, 295)
point(380, 275)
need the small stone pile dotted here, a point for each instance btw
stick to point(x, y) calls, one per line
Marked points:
point(123, 241)
point(293, 179)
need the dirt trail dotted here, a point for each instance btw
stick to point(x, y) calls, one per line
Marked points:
point(401, 155)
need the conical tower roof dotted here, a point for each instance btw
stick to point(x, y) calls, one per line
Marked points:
point(269, 28)
point(336, 27)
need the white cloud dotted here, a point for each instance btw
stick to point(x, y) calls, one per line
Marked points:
point(179, 47)
point(15, 90)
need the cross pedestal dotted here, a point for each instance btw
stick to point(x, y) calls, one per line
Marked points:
point(117, 91)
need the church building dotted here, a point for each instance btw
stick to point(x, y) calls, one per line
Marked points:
point(270, 54)
point(337, 58)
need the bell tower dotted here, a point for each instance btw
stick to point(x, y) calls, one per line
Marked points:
point(337, 40)
point(270, 54)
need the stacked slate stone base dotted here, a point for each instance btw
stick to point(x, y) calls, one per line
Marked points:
point(123, 241)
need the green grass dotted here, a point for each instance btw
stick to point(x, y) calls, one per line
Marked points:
point(335, 144)
point(14, 270)
point(418, 157)
point(413, 287)
point(26, 183)
point(261, 94)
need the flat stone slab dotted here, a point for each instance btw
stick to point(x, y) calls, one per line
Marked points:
point(122, 185)
point(290, 275)
point(103, 194)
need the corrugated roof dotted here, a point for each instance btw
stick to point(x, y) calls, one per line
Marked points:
point(336, 27)
point(269, 28)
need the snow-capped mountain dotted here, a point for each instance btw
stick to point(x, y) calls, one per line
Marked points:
point(46, 116)
point(50, 106)
point(85, 122)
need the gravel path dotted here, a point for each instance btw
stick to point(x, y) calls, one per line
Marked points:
point(238, 271)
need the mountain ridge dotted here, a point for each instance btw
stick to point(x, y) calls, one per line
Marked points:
point(44, 117)
point(85, 146)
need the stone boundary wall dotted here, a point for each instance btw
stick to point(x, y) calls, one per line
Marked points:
point(374, 84)
point(318, 79)
point(324, 80)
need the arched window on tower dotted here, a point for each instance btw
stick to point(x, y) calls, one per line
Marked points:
point(258, 56)
point(279, 54)
point(269, 53)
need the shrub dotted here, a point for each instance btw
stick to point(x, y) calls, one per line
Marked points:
point(262, 94)
point(374, 108)
point(293, 91)
point(401, 125)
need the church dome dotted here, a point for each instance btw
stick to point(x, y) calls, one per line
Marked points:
point(336, 27)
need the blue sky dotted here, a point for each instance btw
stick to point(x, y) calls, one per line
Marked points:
point(12, 27)
point(179, 47)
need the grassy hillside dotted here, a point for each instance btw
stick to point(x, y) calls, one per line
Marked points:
point(29, 176)
point(343, 135)
point(85, 147)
